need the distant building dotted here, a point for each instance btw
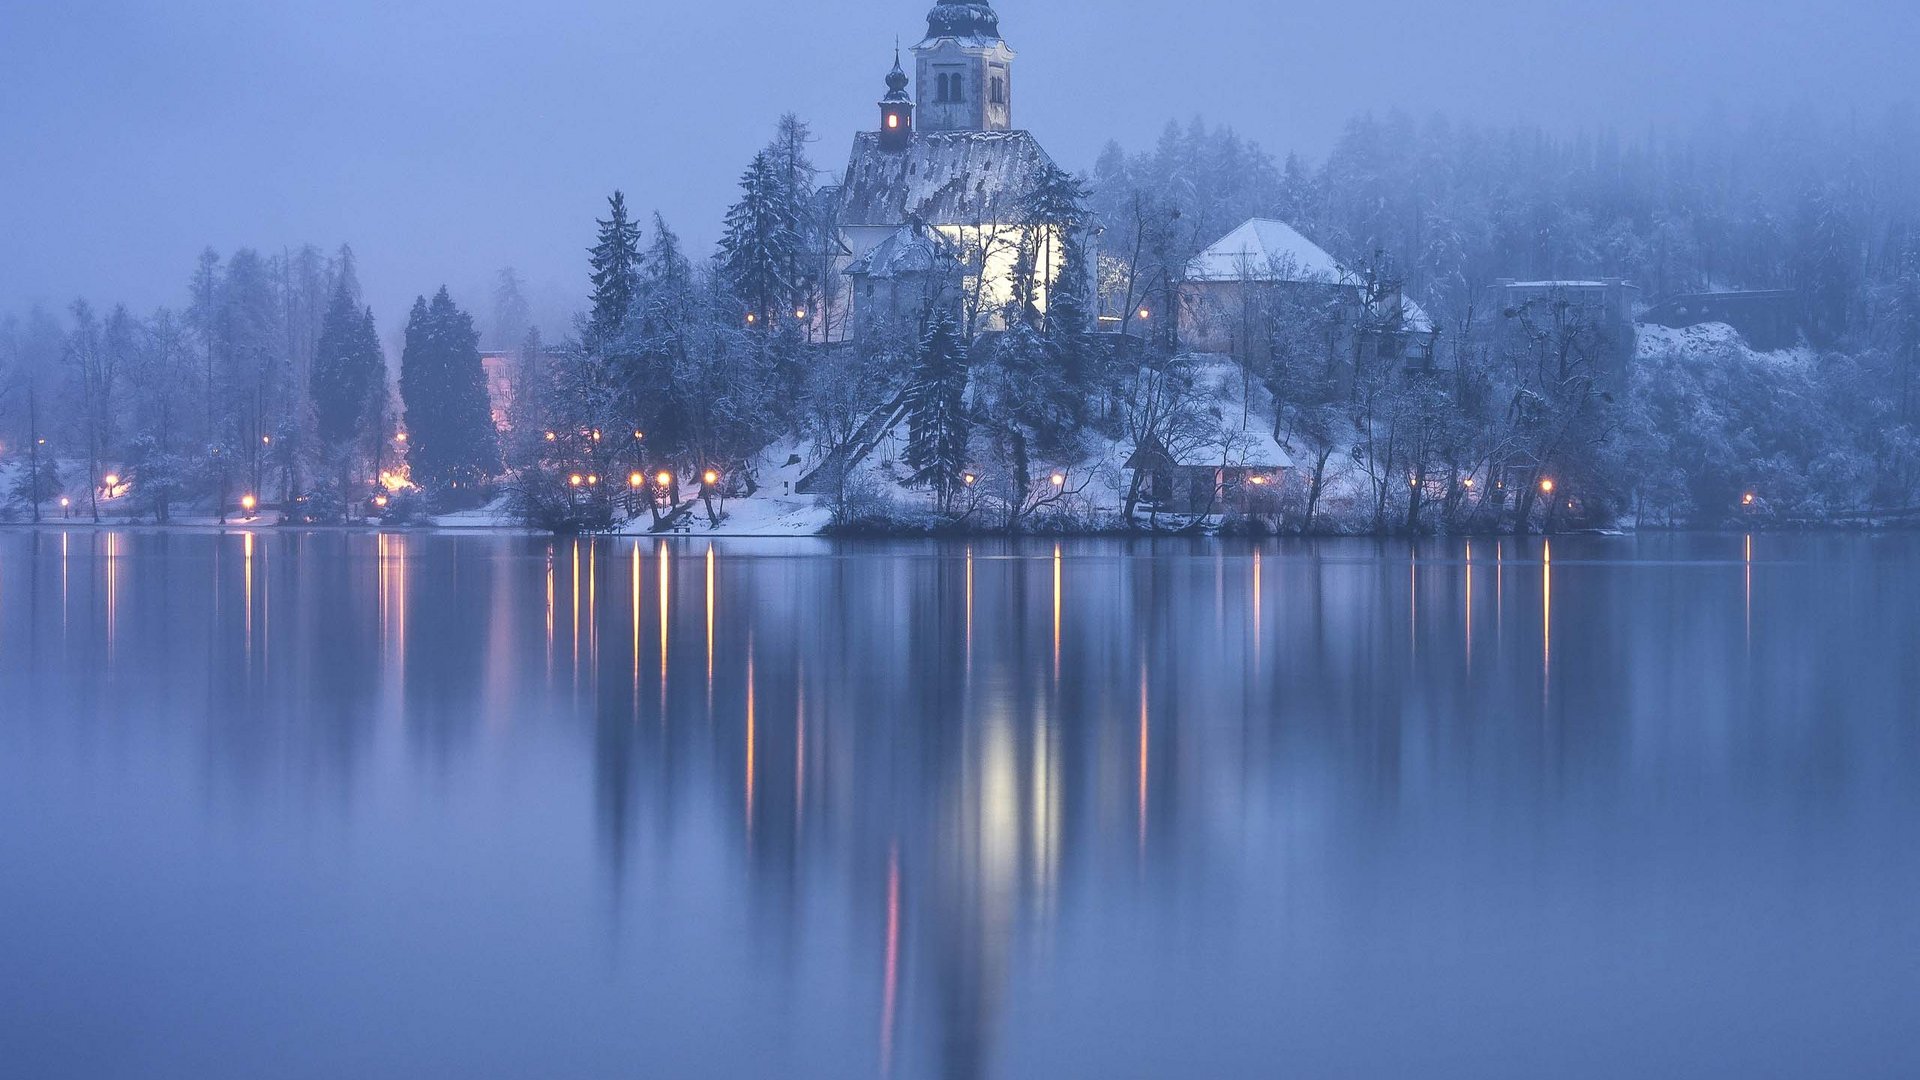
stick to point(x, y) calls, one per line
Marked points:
point(1595, 317)
point(1245, 287)
point(1767, 319)
point(950, 166)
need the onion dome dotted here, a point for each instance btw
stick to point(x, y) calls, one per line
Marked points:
point(963, 19)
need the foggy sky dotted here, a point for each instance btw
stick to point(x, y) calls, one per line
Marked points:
point(447, 139)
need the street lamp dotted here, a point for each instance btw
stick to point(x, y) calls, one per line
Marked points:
point(576, 479)
point(1546, 487)
point(1059, 480)
point(969, 479)
point(710, 477)
point(1747, 499)
point(247, 503)
point(636, 481)
point(380, 501)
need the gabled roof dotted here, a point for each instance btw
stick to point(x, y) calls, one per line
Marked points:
point(940, 178)
point(1265, 250)
point(907, 251)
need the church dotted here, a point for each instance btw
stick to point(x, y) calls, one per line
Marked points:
point(932, 204)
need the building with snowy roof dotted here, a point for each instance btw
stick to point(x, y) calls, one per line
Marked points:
point(949, 165)
point(1265, 279)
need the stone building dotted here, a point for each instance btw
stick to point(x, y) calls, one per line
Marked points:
point(950, 169)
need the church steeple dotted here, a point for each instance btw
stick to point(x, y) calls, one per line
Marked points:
point(965, 69)
point(896, 109)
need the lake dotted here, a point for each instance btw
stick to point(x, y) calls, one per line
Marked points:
point(283, 804)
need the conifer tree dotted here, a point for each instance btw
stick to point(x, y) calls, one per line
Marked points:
point(614, 260)
point(937, 423)
point(451, 441)
point(762, 243)
point(349, 371)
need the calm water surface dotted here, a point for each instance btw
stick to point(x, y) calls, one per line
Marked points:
point(326, 805)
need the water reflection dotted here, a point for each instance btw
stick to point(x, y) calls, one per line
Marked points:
point(1095, 808)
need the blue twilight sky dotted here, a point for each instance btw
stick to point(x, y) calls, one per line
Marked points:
point(445, 140)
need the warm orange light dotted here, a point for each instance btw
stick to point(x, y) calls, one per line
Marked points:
point(799, 313)
point(552, 437)
point(113, 481)
point(1546, 486)
point(893, 120)
point(401, 437)
point(576, 479)
point(248, 502)
point(710, 477)
point(64, 501)
point(639, 434)
point(752, 318)
point(664, 478)
point(1259, 481)
point(1059, 480)
point(1467, 483)
point(593, 481)
point(380, 501)
point(266, 440)
point(635, 480)
point(596, 435)
point(969, 479)
point(1144, 313)
point(1747, 499)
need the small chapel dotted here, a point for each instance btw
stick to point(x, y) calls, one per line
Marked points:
point(932, 205)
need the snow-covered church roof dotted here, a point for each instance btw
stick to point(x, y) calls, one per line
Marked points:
point(1265, 250)
point(940, 178)
point(907, 251)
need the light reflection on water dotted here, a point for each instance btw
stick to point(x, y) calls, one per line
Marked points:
point(329, 804)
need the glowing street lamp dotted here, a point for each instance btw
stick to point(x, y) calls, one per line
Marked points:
point(248, 502)
point(969, 479)
point(800, 313)
point(1747, 499)
point(710, 477)
point(593, 481)
point(400, 437)
point(576, 479)
point(663, 478)
point(266, 440)
point(636, 481)
point(1059, 480)
point(552, 436)
point(1546, 487)
point(1467, 483)
point(1145, 314)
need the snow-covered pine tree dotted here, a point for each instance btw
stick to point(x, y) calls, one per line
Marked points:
point(451, 441)
point(762, 244)
point(349, 387)
point(937, 422)
point(614, 260)
point(349, 371)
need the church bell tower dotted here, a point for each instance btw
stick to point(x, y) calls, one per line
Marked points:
point(965, 77)
point(896, 110)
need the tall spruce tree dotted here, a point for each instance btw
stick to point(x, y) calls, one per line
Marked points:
point(937, 422)
point(451, 441)
point(349, 371)
point(615, 263)
point(762, 243)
